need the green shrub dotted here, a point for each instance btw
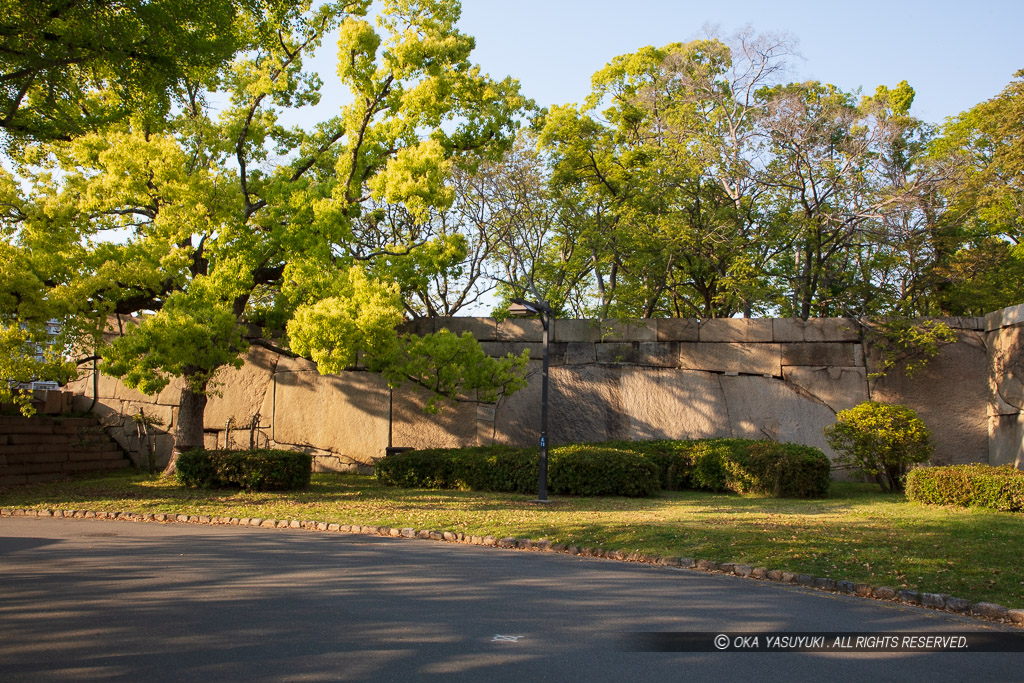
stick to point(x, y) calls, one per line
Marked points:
point(257, 469)
point(787, 470)
point(998, 488)
point(596, 470)
point(672, 458)
point(716, 464)
point(620, 468)
point(587, 470)
point(740, 465)
point(486, 468)
point(882, 439)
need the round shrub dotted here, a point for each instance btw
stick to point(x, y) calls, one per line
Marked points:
point(258, 469)
point(882, 439)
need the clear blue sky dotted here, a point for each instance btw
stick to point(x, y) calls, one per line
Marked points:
point(955, 53)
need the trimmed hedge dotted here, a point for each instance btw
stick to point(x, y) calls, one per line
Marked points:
point(998, 488)
point(575, 470)
point(260, 469)
point(623, 468)
point(783, 470)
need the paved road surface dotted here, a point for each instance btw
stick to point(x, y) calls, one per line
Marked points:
point(103, 600)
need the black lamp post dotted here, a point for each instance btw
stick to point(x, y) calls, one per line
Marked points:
point(521, 308)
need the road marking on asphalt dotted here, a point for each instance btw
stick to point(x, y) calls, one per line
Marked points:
point(506, 639)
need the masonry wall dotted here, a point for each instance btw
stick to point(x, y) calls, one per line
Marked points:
point(47, 448)
point(1005, 332)
point(758, 378)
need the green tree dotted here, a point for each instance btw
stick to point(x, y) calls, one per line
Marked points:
point(206, 220)
point(881, 439)
point(663, 177)
point(979, 265)
point(840, 176)
point(69, 66)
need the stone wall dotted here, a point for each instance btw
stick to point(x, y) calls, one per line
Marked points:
point(47, 448)
point(1005, 331)
point(757, 378)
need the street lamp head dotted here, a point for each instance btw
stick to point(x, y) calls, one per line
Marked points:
point(522, 307)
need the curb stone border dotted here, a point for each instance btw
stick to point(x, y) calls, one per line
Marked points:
point(936, 601)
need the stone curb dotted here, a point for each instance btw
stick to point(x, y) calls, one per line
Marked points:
point(936, 601)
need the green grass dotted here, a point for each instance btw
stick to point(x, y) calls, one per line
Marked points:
point(857, 534)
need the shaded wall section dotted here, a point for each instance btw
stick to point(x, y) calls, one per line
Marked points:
point(648, 379)
point(1005, 336)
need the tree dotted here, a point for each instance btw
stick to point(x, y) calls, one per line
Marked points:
point(206, 220)
point(981, 264)
point(839, 174)
point(69, 66)
point(881, 439)
point(667, 175)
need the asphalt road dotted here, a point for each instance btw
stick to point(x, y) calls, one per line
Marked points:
point(91, 600)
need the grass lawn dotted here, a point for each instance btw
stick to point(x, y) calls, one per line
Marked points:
point(858, 534)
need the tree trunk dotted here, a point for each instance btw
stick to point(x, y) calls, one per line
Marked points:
point(188, 433)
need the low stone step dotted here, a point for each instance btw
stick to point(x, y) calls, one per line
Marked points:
point(39, 457)
point(22, 479)
point(41, 439)
point(96, 465)
point(108, 454)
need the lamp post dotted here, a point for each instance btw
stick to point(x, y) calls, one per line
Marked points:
point(520, 308)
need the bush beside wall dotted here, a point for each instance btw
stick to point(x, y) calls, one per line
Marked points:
point(590, 469)
point(620, 468)
point(253, 470)
point(998, 488)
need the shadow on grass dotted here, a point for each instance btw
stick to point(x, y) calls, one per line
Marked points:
point(857, 534)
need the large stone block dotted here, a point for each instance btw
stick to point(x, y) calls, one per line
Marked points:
point(171, 394)
point(628, 330)
point(950, 395)
point(242, 391)
point(127, 394)
point(1006, 370)
point(575, 331)
point(658, 354)
point(453, 427)
point(346, 414)
point(500, 349)
point(1013, 315)
point(482, 329)
point(286, 364)
point(970, 323)
point(678, 329)
point(763, 407)
point(1006, 440)
point(670, 404)
point(517, 417)
point(837, 387)
point(815, 330)
point(418, 326)
point(163, 414)
point(521, 330)
point(618, 353)
point(755, 359)
point(582, 353)
point(736, 330)
point(817, 354)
